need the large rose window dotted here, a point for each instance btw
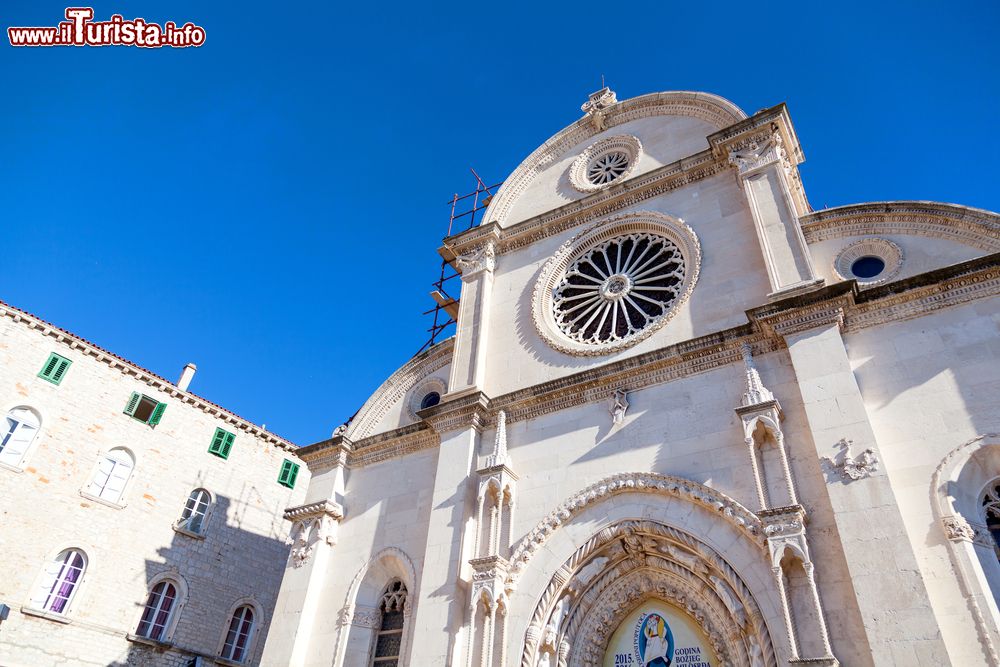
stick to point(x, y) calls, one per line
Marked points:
point(613, 286)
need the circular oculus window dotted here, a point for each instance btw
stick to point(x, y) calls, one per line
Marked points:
point(605, 162)
point(617, 284)
point(869, 261)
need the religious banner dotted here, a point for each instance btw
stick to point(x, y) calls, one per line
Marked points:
point(657, 634)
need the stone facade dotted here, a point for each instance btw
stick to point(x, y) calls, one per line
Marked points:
point(236, 557)
point(785, 465)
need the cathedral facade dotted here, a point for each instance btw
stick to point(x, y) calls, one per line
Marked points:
point(684, 420)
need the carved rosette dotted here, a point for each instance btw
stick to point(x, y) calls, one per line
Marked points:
point(312, 524)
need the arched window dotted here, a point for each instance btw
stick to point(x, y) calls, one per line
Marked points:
point(111, 475)
point(18, 433)
point(991, 513)
point(389, 639)
point(241, 628)
point(193, 516)
point(158, 612)
point(59, 582)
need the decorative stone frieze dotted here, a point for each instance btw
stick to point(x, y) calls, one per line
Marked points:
point(973, 227)
point(397, 386)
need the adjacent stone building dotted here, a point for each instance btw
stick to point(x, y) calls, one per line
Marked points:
point(685, 420)
point(139, 524)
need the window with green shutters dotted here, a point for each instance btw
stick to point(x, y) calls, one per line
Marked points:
point(222, 443)
point(289, 471)
point(55, 368)
point(145, 409)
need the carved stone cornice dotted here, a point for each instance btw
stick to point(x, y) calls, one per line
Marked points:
point(971, 226)
point(458, 411)
point(314, 510)
point(327, 454)
point(912, 297)
point(393, 444)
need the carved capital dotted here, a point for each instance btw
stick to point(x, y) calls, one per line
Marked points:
point(478, 260)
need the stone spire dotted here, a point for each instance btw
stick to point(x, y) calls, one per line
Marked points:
point(756, 392)
point(499, 456)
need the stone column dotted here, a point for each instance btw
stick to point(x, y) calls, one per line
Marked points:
point(884, 575)
point(439, 614)
point(764, 170)
point(468, 367)
point(313, 536)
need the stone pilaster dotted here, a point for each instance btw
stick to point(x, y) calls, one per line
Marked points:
point(866, 515)
point(468, 367)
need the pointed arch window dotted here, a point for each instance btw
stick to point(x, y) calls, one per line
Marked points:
point(389, 638)
point(19, 431)
point(193, 517)
point(158, 614)
point(241, 627)
point(59, 582)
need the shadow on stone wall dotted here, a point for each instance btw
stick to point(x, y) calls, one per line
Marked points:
point(228, 565)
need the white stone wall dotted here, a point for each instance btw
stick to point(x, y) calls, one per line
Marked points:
point(242, 554)
point(930, 385)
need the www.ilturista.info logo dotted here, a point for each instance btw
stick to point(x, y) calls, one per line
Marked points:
point(81, 30)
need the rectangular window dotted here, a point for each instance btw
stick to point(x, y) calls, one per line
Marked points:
point(55, 368)
point(289, 471)
point(222, 443)
point(145, 409)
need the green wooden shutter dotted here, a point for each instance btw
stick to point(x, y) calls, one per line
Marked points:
point(61, 370)
point(133, 403)
point(289, 471)
point(54, 368)
point(222, 442)
point(228, 444)
point(154, 418)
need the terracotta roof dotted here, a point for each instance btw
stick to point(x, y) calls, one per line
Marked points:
point(130, 368)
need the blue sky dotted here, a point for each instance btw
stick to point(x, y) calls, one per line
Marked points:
point(268, 206)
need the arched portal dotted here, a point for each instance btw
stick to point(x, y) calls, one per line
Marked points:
point(639, 590)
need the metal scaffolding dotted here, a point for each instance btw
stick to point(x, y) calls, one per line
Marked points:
point(445, 310)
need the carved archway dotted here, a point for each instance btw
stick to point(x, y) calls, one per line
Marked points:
point(632, 561)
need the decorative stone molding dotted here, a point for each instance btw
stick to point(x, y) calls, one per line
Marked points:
point(630, 561)
point(785, 527)
point(652, 223)
point(397, 386)
point(850, 468)
point(715, 501)
point(758, 154)
point(312, 524)
point(476, 261)
point(625, 144)
point(366, 617)
point(971, 226)
point(958, 529)
point(424, 387)
point(596, 104)
point(884, 249)
point(709, 108)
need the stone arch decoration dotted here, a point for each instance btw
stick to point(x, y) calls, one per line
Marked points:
point(956, 488)
point(626, 564)
point(395, 388)
point(645, 482)
point(710, 108)
point(369, 583)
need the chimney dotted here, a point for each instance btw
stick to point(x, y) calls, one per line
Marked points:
point(186, 376)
